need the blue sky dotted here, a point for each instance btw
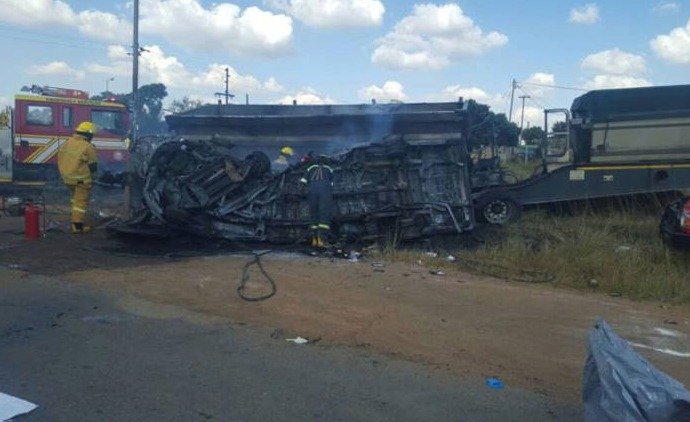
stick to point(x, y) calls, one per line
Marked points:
point(348, 51)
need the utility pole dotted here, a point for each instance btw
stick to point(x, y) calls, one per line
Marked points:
point(135, 74)
point(107, 83)
point(522, 121)
point(134, 187)
point(227, 93)
point(512, 99)
point(522, 118)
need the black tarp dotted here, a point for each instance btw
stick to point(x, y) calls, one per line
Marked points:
point(633, 103)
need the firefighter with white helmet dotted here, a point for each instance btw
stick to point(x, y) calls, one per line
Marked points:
point(78, 164)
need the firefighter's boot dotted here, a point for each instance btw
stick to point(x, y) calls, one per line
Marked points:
point(319, 241)
point(80, 228)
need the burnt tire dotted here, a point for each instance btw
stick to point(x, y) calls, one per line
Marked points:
point(499, 209)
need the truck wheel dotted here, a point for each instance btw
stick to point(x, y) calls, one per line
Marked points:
point(499, 210)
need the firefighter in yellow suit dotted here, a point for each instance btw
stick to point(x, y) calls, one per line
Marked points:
point(78, 164)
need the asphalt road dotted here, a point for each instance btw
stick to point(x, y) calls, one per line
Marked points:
point(83, 356)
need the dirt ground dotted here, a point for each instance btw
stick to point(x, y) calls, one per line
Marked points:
point(531, 336)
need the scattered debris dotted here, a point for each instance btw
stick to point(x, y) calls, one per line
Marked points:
point(11, 407)
point(378, 264)
point(594, 282)
point(277, 333)
point(494, 383)
point(615, 294)
point(666, 332)
point(379, 270)
point(665, 351)
point(432, 254)
point(301, 340)
point(451, 258)
point(103, 319)
point(623, 248)
point(437, 272)
point(670, 322)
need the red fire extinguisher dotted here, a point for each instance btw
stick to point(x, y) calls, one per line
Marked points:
point(32, 228)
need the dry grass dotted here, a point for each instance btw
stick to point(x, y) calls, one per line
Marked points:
point(520, 169)
point(612, 252)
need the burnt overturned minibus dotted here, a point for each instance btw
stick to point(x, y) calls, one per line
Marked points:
point(402, 171)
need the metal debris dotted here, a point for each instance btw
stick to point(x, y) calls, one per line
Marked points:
point(401, 188)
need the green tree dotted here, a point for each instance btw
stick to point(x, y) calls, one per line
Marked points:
point(559, 127)
point(485, 126)
point(533, 135)
point(150, 113)
point(184, 104)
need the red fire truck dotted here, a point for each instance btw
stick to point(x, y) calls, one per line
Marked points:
point(41, 120)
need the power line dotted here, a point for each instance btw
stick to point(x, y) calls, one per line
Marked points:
point(572, 88)
point(30, 36)
point(532, 97)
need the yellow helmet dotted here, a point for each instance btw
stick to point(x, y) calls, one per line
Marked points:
point(86, 127)
point(287, 151)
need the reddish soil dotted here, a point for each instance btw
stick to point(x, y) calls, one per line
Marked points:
point(531, 336)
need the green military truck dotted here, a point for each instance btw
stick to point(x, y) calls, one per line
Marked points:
point(615, 142)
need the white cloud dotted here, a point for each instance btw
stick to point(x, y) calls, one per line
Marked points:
point(534, 116)
point(56, 68)
point(4, 102)
point(586, 15)
point(221, 27)
point(46, 13)
point(390, 91)
point(333, 13)
point(214, 77)
point(667, 7)
point(616, 81)
point(673, 47)
point(615, 62)
point(615, 69)
point(156, 66)
point(539, 84)
point(37, 12)
point(105, 26)
point(432, 37)
point(307, 96)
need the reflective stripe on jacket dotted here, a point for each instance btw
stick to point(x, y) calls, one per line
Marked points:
point(74, 158)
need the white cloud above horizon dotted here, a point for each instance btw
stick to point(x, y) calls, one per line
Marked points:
point(389, 91)
point(433, 37)
point(91, 23)
point(306, 96)
point(157, 66)
point(333, 13)
point(57, 68)
point(222, 27)
point(666, 7)
point(587, 14)
point(673, 47)
point(615, 62)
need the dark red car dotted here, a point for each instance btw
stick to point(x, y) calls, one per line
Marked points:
point(675, 223)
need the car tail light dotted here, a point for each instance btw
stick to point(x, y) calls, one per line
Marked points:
point(685, 217)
